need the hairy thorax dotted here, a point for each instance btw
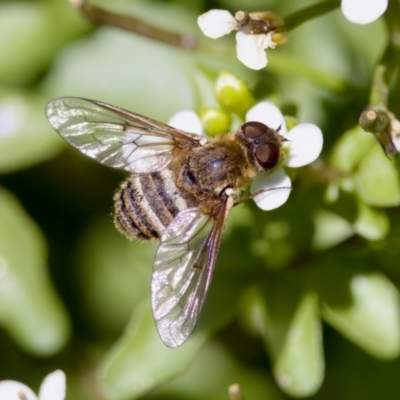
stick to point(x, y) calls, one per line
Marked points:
point(210, 169)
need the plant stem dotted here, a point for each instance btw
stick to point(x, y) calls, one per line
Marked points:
point(388, 64)
point(128, 23)
point(298, 17)
point(378, 119)
point(286, 64)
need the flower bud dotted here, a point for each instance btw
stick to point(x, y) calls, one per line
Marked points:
point(380, 121)
point(374, 120)
point(215, 121)
point(233, 94)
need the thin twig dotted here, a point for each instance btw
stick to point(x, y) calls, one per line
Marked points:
point(100, 16)
point(315, 10)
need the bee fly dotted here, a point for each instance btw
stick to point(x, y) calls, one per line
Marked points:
point(181, 190)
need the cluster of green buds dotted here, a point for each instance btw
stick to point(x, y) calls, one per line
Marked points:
point(234, 99)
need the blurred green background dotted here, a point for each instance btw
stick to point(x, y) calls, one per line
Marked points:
point(304, 301)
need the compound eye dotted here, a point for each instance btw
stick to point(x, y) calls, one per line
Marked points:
point(254, 129)
point(268, 155)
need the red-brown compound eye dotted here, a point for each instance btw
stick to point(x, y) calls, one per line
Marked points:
point(254, 129)
point(268, 155)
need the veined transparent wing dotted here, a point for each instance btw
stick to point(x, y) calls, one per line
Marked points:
point(116, 137)
point(183, 269)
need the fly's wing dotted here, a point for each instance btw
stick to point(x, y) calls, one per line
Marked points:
point(183, 268)
point(116, 137)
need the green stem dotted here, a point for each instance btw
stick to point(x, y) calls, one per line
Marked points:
point(380, 86)
point(283, 63)
point(388, 64)
point(378, 119)
point(100, 16)
point(298, 17)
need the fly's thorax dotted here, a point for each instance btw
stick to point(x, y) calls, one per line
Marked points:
point(211, 168)
point(146, 204)
point(261, 144)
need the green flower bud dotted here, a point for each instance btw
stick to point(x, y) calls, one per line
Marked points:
point(374, 120)
point(215, 121)
point(233, 94)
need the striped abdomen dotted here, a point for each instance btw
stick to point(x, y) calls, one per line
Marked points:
point(147, 203)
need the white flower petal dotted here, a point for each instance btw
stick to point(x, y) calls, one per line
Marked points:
point(396, 142)
point(304, 144)
point(9, 390)
point(216, 23)
point(250, 49)
point(53, 386)
point(363, 11)
point(268, 114)
point(188, 121)
point(271, 199)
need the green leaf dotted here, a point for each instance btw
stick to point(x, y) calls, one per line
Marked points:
point(345, 203)
point(293, 336)
point(212, 371)
point(115, 274)
point(24, 56)
point(351, 148)
point(21, 53)
point(330, 230)
point(362, 305)
point(354, 374)
point(140, 362)
point(142, 73)
point(26, 137)
point(299, 368)
point(203, 84)
point(30, 309)
point(377, 180)
point(371, 224)
point(370, 315)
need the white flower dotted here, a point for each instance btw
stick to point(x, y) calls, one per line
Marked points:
point(249, 47)
point(52, 388)
point(303, 146)
point(363, 11)
point(188, 121)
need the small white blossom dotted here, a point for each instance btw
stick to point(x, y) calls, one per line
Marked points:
point(188, 121)
point(217, 23)
point(363, 11)
point(250, 48)
point(52, 388)
point(303, 146)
